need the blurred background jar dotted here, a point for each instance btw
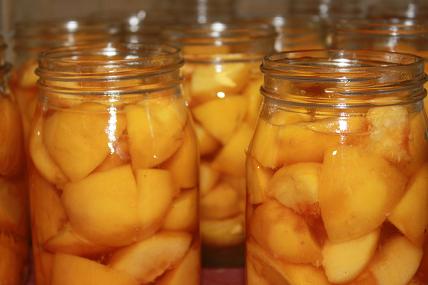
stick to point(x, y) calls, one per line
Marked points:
point(337, 171)
point(31, 38)
point(114, 168)
point(397, 35)
point(14, 222)
point(221, 85)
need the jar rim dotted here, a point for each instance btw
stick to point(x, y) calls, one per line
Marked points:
point(110, 64)
point(352, 73)
point(398, 27)
point(225, 33)
point(53, 33)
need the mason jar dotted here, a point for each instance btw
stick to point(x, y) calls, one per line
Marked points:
point(337, 171)
point(32, 38)
point(114, 168)
point(14, 222)
point(398, 35)
point(221, 85)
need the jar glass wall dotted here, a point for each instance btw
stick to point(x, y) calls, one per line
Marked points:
point(337, 171)
point(221, 83)
point(14, 222)
point(113, 174)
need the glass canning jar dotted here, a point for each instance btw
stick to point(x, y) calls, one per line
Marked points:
point(337, 171)
point(113, 174)
point(221, 84)
point(398, 35)
point(14, 222)
point(31, 38)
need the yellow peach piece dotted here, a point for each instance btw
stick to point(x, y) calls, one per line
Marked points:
point(150, 258)
point(156, 190)
point(78, 138)
point(155, 130)
point(252, 93)
point(283, 273)
point(223, 233)
point(357, 191)
point(296, 187)
point(183, 165)
point(208, 80)
point(69, 242)
point(208, 178)
point(182, 215)
point(47, 211)
point(103, 207)
point(13, 207)
point(221, 118)
point(220, 203)
point(41, 158)
point(344, 261)
point(11, 147)
point(231, 158)
point(410, 215)
point(258, 178)
point(187, 272)
point(389, 129)
point(396, 262)
point(73, 270)
point(207, 143)
point(340, 125)
point(284, 234)
point(273, 146)
point(12, 257)
point(253, 277)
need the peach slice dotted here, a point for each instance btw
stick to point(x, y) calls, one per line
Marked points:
point(357, 191)
point(78, 138)
point(340, 125)
point(258, 178)
point(389, 130)
point(47, 211)
point(11, 147)
point(231, 158)
point(73, 270)
point(69, 242)
point(283, 273)
point(155, 130)
point(150, 258)
point(410, 215)
point(208, 80)
point(396, 262)
point(223, 233)
point(103, 207)
point(156, 190)
point(252, 275)
point(187, 272)
point(12, 258)
point(284, 234)
point(119, 157)
point(221, 118)
point(182, 215)
point(208, 178)
point(207, 144)
point(13, 208)
point(273, 146)
point(296, 187)
point(344, 261)
point(220, 203)
point(417, 143)
point(183, 165)
point(42, 159)
point(252, 93)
